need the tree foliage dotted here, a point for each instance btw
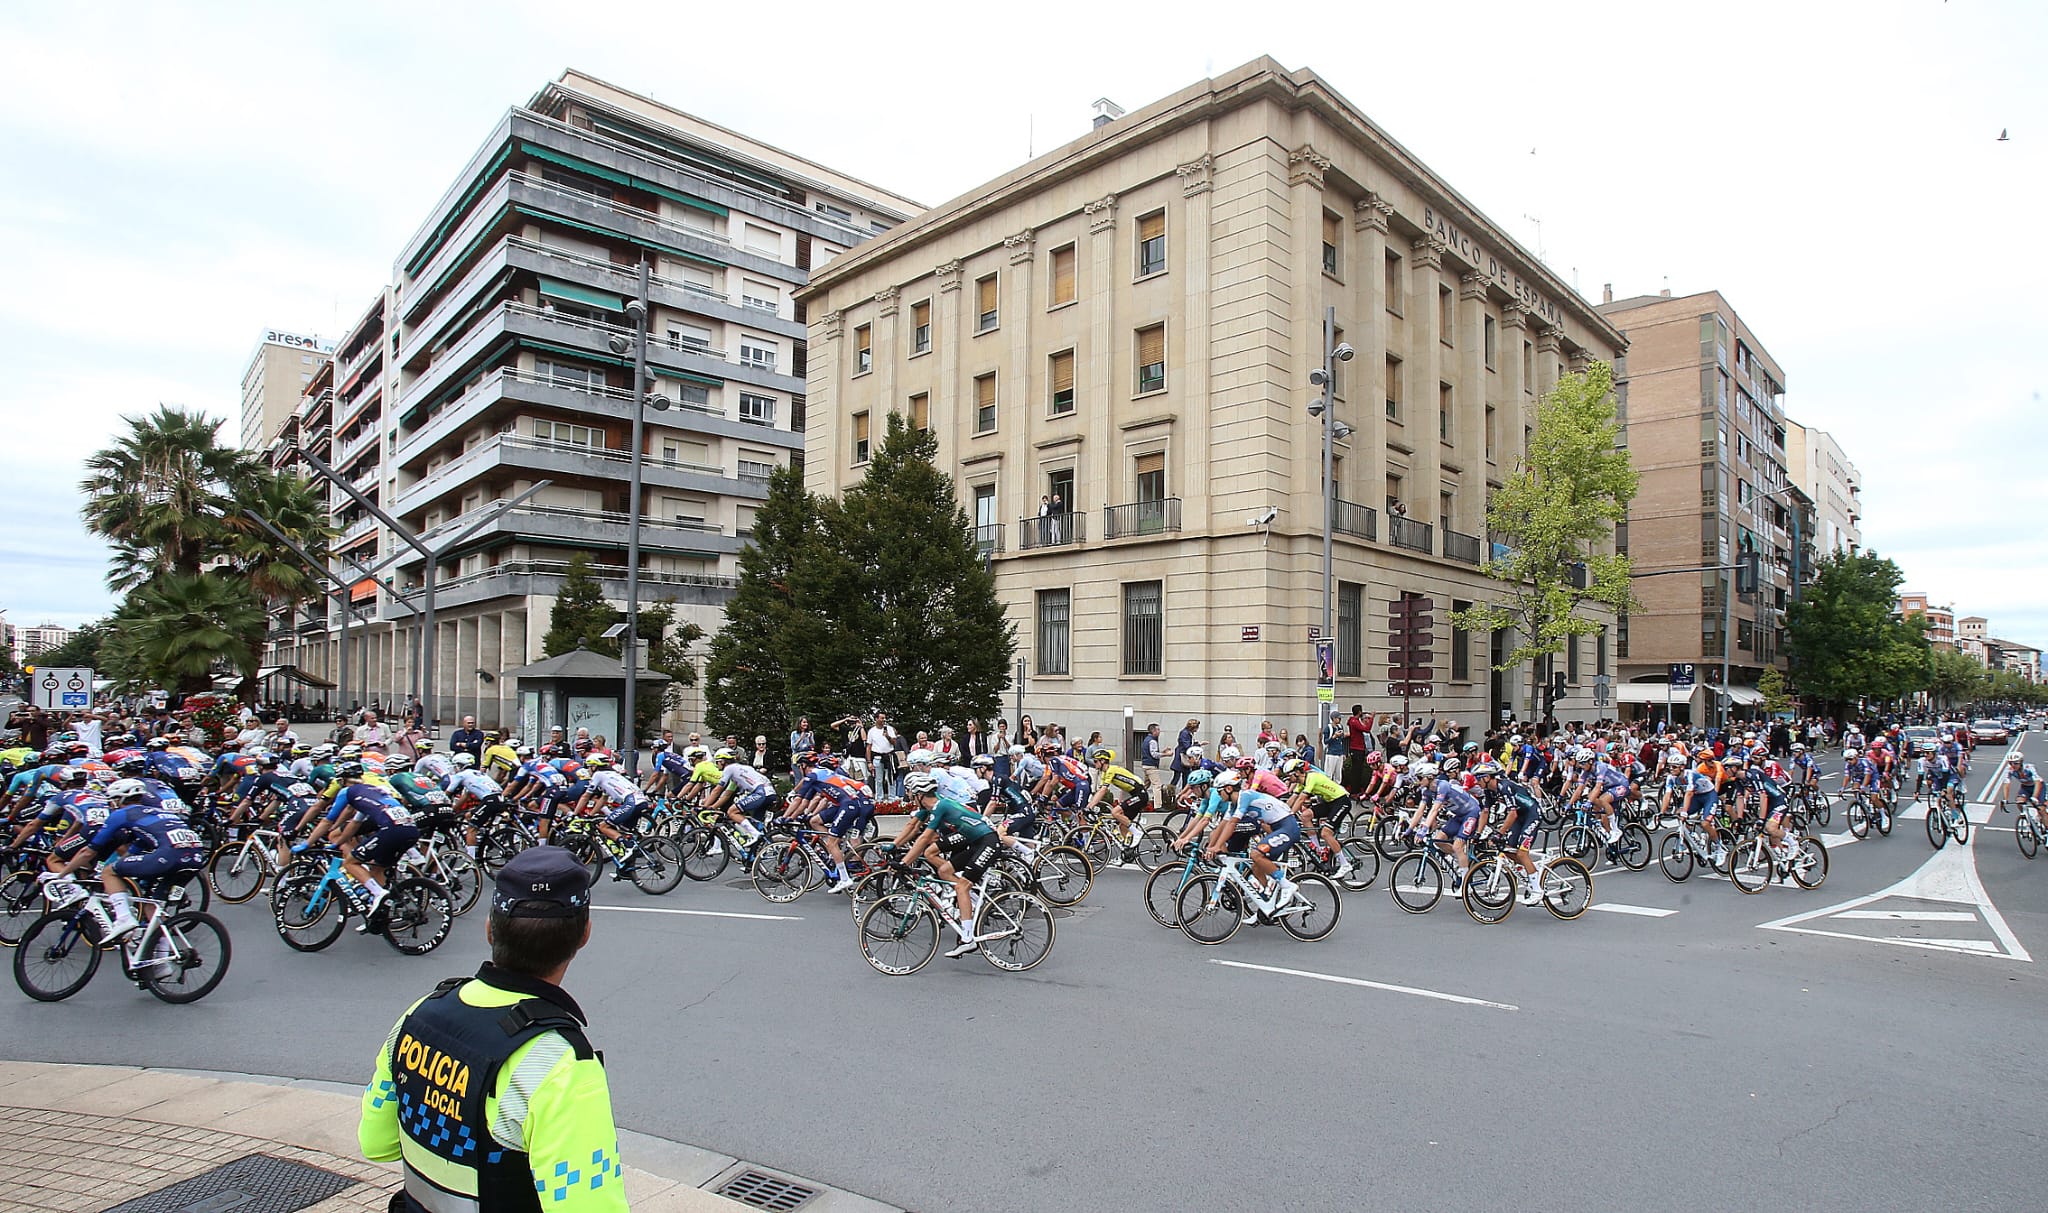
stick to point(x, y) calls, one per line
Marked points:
point(182, 628)
point(81, 649)
point(1845, 636)
point(1955, 678)
point(1776, 690)
point(1554, 515)
point(581, 616)
point(880, 599)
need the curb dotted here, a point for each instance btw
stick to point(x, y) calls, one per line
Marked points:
point(320, 1116)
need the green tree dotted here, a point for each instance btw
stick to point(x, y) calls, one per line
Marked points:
point(580, 614)
point(1954, 678)
point(182, 628)
point(81, 649)
point(1776, 690)
point(746, 686)
point(581, 617)
point(160, 494)
point(292, 505)
point(1845, 637)
point(1554, 514)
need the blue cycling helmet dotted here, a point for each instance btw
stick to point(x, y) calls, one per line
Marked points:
point(1198, 779)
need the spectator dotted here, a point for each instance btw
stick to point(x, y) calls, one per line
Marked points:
point(1227, 750)
point(87, 726)
point(1094, 743)
point(341, 733)
point(1357, 744)
point(1149, 765)
point(976, 742)
point(1027, 733)
point(760, 751)
point(999, 748)
point(467, 739)
point(372, 733)
point(1267, 734)
point(582, 743)
point(1180, 751)
point(282, 738)
point(882, 742)
point(947, 749)
point(1303, 749)
point(1335, 742)
point(801, 739)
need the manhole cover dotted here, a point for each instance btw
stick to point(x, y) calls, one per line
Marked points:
point(254, 1183)
point(765, 1191)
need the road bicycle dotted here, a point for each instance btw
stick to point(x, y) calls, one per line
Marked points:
point(1865, 814)
point(1163, 887)
point(1754, 862)
point(791, 860)
point(1689, 846)
point(2026, 827)
point(21, 897)
point(440, 856)
point(1214, 906)
point(1583, 840)
point(710, 842)
point(1564, 885)
point(1947, 818)
point(653, 863)
point(238, 871)
point(178, 955)
point(314, 898)
point(1811, 801)
point(1013, 929)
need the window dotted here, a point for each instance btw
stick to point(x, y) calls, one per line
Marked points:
point(863, 350)
point(562, 374)
point(757, 410)
point(1571, 660)
point(695, 454)
point(985, 403)
point(1489, 433)
point(1152, 244)
point(1055, 608)
point(1393, 388)
point(1444, 404)
point(1528, 367)
point(860, 438)
point(764, 241)
point(1151, 476)
point(685, 510)
point(1600, 651)
point(1350, 636)
point(921, 327)
point(694, 395)
point(1063, 276)
point(984, 505)
point(834, 212)
point(1063, 383)
point(921, 411)
point(1461, 648)
point(1144, 628)
point(1492, 335)
point(759, 467)
point(760, 296)
point(1332, 230)
point(755, 353)
point(1393, 492)
point(1394, 291)
point(1446, 314)
point(567, 435)
point(743, 521)
point(1152, 359)
point(1444, 505)
point(692, 337)
point(1060, 486)
point(986, 313)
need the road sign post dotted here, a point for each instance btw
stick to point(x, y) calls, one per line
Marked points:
point(1681, 674)
point(1410, 660)
point(62, 688)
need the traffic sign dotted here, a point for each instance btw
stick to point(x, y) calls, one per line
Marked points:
point(62, 688)
point(1683, 674)
point(1411, 690)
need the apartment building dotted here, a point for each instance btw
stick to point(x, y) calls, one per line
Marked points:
point(1817, 461)
point(1941, 620)
point(1126, 326)
point(1704, 403)
point(33, 641)
point(277, 375)
point(494, 363)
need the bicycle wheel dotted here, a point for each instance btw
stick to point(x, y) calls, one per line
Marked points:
point(899, 935)
point(1567, 887)
point(1174, 822)
point(782, 874)
point(55, 959)
point(1937, 826)
point(706, 853)
point(2023, 832)
point(1155, 846)
point(1365, 865)
point(1389, 839)
point(659, 869)
point(1023, 928)
point(462, 876)
point(499, 844)
point(1490, 895)
point(1858, 817)
point(1416, 881)
point(304, 923)
point(1749, 866)
point(237, 871)
point(1093, 841)
point(1324, 907)
point(21, 903)
point(1675, 858)
point(1810, 865)
point(876, 886)
point(1162, 895)
point(1818, 810)
point(1062, 875)
point(1581, 843)
point(199, 955)
point(1210, 911)
point(1959, 825)
point(1634, 849)
point(1882, 816)
point(417, 915)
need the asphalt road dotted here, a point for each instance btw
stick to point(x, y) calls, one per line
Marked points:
point(1665, 1052)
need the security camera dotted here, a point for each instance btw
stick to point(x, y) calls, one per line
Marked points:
point(1319, 376)
point(619, 345)
point(658, 403)
point(1265, 519)
point(1344, 351)
point(633, 309)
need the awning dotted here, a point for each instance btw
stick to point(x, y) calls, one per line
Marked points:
point(292, 673)
point(557, 289)
point(618, 178)
point(1650, 692)
point(1748, 697)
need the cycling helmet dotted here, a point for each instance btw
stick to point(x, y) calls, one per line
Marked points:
point(1105, 754)
point(1246, 764)
point(1199, 779)
point(696, 754)
point(464, 761)
point(350, 752)
point(1452, 765)
point(724, 756)
point(1399, 762)
point(1292, 767)
point(301, 751)
point(1515, 740)
point(424, 745)
point(71, 777)
point(157, 743)
point(1426, 770)
point(1229, 779)
point(323, 752)
point(1582, 754)
point(1487, 770)
point(124, 790)
point(524, 751)
point(1470, 747)
point(1273, 746)
point(917, 784)
point(920, 758)
point(983, 760)
point(1799, 747)
point(349, 769)
point(1017, 751)
point(132, 764)
point(1195, 752)
point(1851, 755)
point(1734, 760)
point(396, 763)
point(55, 754)
point(598, 762)
point(1432, 739)
point(829, 762)
point(658, 744)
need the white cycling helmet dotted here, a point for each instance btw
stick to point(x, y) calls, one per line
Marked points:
point(1399, 762)
point(920, 758)
point(1229, 779)
point(464, 761)
point(1582, 754)
point(917, 784)
point(125, 790)
point(1426, 770)
point(1851, 755)
point(1017, 751)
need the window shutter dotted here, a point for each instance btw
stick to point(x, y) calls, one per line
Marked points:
point(985, 291)
point(1063, 275)
point(1152, 345)
point(1063, 372)
point(1152, 464)
point(1152, 226)
point(985, 391)
point(920, 314)
point(1329, 228)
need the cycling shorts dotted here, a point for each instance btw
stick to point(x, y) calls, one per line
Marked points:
point(1326, 811)
point(1241, 841)
point(1021, 825)
point(971, 859)
point(623, 816)
point(1074, 797)
point(1524, 828)
point(756, 802)
point(1281, 835)
point(1703, 804)
point(848, 818)
point(383, 848)
point(162, 864)
point(1462, 824)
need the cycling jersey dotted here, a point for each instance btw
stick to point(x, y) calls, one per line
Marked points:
point(145, 828)
point(474, 784)
point(502, 759)
point(1609, 778)
point(86, 811)
point(1323, 788)
point(1114, 776)
point(706, 772)
point(1253, 804)
point(955, 786)
point(1029, 769)
point(434, 766)
point(615, 787)
point(377, 807)
point(956, 825)
point(742, 778)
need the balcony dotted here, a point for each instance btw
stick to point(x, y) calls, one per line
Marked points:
point(1350, 518)
point(1051, 531)
point(354, 446)
point(988, 539)
point(1155, 517)
point(1461, 547)
point(313, 408)
point(590, 529)
point(521, 578)
point(356, 530)
point(1408, 533)
point(519, 451)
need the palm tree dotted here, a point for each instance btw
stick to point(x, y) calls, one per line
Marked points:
point(292, 505)
point(177, 630)
point(160, 493)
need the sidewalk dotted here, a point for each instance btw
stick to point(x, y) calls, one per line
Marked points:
point(91, 1137)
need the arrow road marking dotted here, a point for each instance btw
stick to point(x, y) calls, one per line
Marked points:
point(1950, 875)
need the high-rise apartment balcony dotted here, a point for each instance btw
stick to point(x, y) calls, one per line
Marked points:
point(540, 458)
point(543, 578)
point(604, 530)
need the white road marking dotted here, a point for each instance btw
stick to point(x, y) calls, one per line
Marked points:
point(1984, 946)
point(1834, 841)
point(1950, 875)
point(1370, 985)
point(1615, 907)
point(702, 913)
point(1911, 915)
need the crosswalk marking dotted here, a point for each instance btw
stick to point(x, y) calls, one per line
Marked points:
point(1950, 875)
point(1615, 907)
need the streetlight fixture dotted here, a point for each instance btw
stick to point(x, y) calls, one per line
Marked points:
point(1324, 407)
point(637, 311)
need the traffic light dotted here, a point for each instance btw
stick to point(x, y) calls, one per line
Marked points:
point(1747, 570)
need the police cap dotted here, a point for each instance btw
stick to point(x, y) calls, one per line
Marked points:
point(542, 882)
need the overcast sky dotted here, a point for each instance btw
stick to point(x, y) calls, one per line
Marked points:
point(180, 177)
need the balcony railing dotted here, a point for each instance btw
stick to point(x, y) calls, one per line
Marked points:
point(604, 572)
point(1410, 534)
point(625, 277)
point(1350, 518)
point(989, 538)
point(1153, 517)
point(617, 208)
point(1050, 531)
point(1460, 546)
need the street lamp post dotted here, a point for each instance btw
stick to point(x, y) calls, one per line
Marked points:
point(629, 642)
point(1325, 408)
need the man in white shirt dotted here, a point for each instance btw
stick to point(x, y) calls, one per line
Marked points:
point(371, 732)
point(882, 739)
point(87, 726)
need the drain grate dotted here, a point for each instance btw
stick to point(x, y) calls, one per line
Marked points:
point(254, 1183)
point(765, 1191)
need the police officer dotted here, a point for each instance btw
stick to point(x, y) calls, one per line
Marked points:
point(487, 1088)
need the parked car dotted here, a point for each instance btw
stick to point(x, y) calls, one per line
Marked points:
point(1921, 739)
point(1989, 732)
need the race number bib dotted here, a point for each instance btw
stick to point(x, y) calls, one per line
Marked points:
point(299, 791)
point(399, 815)
point(183, 839)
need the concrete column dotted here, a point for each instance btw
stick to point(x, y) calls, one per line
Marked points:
point(951, 330)
point(1364, 387)
point(1305, 169)
point(1097, 480)
point(464, 686)
point(1021, 395)
point(887, 352)
point(1470, 421)
point(1188, 350)
point(1425, 372)
point(1549, 344)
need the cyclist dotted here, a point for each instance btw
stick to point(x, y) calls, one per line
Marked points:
point(1124, 793)
point(379, 828)
point(2021, 776)
point(669, 769)
point(1859, 774)
point(1802, 773)
point(72, 812)
point(1609, 786)
point(743, 792)
point(837, 805)
point(1491, 788)
point(619, 797)
point(431, 764)
point(963, 843)
point(501, 758)
point(468, 788)
point(1317, 799)
point(162, 847)
point(1275, 829)
point(1702, 792)
point(1460, 811)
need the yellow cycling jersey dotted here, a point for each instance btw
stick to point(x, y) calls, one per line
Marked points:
point(1114, 776)
point(705, 772)
point(1322, 787)
point(501, 758)
point(370, 777)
